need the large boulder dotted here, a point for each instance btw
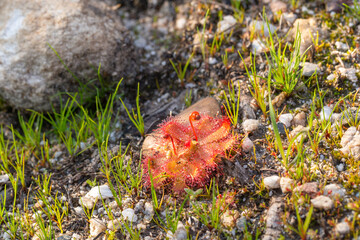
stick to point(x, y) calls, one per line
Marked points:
point(85, 33)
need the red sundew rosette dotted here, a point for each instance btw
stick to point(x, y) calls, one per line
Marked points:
point(185, 154)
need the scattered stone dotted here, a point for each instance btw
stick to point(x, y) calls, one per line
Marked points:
point(257, 46)
point(342, 228)
point(139, 207)
point(83, 32)
point(350, 143)
point(6, 236)
point(76, 236)
point(310, 188)
point(58, 154)
point(212, 61)
point(180, 233)
point(274, 226)
point(325, 113)
point(310, 68)
point(340, 167)
point(278, 6)
point(286, 184)
point(279, 100)
point(129, 214)
point(348, 73)
point(241, 223)
point(298, 132)
point(334, 190)
point(247, 145)
point(79, 210)
point(228, 219)
point(281, 128)
point(261, 27)
point(341, 46)
point(272, 182)
point(300, 119)
point(148, 211)
point(290, 17)
point(226, 24)
point(39, 204)
point(96, 227)
point(336, 5)
point(286, 119)
point(250, 125)
point(4, 178)
point(180, 23)
point(308, 28)
point(323, 202)
point(247, 111)
point(115, 224)
point(64, 237)
point(87, 202)
point(98, 192)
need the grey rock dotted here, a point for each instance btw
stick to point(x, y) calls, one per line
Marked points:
point(261, 27)
point(241, 223)
point(334, 190)
point(278, 6)
point(342, 228)
point(323, 202)
point(341, 46)
point(325, 113)
point(96, 227)
point(273, 225)
point(350, 143)
point(308, 29)
point(286, 119)
point(4, 178)
point(247, 145)
point(290, 17)
point(310, 68)
point(180, 233)
point(286, 184)
point(281, 128)
point(85, 33)
point(272, 182)
point(250, 125)
point(348, 73)
point(148, 211)
point(64, 237)
point(226, 24)
point(129, 214)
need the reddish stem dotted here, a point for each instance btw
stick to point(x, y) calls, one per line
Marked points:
point(173, 144)
point(194, 116)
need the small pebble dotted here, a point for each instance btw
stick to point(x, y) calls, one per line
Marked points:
point(96, 227)
point(114, 224)
point(342, 228)
point(334, 190)
point(250, 125)
point(4, 178)
point(340, 167)
point(286, 184)
point(286, 119)
point(310, 68)
point(129, 214)
point(272, 182)
point(325, 113)
point(76, 236)
point(241, 223)
point(300, 119)
point(247, 145)
point(180, 233)
point(323, 202)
